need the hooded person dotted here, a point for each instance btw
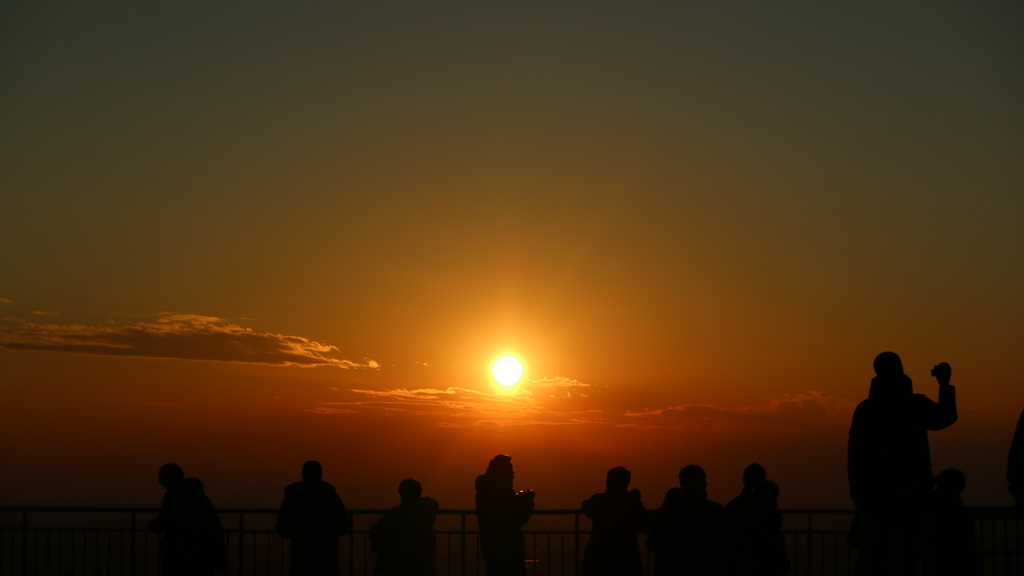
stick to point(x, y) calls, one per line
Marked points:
point(313, 517)
point(889, 465)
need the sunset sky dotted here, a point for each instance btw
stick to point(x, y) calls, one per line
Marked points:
point(239, 236)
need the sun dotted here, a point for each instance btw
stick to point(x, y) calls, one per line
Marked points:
point(507, 370)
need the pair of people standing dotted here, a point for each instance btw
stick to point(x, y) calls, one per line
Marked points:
point(192, 538)
point(313, 517)
point(693, 535)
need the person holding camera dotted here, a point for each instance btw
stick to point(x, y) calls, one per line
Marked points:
point(889, 465)
point(501, 513)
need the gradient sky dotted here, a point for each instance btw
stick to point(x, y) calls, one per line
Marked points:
point(238, 237)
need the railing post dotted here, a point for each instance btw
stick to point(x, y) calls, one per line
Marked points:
point(131, 561)
point(24, 542)
point(810, 548)
point(241, 542)
point(352, 545)
point(576, 544)
point(462, 533)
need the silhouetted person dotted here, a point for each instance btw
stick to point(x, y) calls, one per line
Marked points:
point(950, 545)
point(404, 537)
point(501, 512)
point(659, 539)
point(753, 476)
point(170, 477)
point(686, 533)
point(617, 515)
point(170, 523)
point(1015, 468)
point(754, 542)
point(192, 540)
point(207, 550)
point(889, 465)
point(312, 516)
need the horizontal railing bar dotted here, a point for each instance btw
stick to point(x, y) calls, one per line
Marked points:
point(542, 512)
point(997, 512)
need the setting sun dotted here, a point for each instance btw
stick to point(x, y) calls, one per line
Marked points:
point(507, 370)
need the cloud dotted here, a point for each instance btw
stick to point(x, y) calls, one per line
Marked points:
point(557, 382)
point(6, 301)
point(790, 410)
point(327, 410)
point(455, 407)
point(448, 402)
point(43, 313)
point(559, 402)
point(180, 336)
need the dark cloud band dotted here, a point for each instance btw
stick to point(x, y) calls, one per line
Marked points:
point(184, 337)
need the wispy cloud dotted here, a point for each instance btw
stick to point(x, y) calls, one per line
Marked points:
point(533, 404)
point(797, 410)
point(180, 336)
point(43, 313)
point(6, 301)
point(557, 382)
point(462, 407)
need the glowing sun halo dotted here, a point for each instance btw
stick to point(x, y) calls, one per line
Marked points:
point(507, 370)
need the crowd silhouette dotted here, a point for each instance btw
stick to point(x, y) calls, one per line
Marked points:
point(907, 522)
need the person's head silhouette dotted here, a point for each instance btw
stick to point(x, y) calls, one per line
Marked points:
point(500, 473)
point(312, 471)
point(410, 490)
point(193, 488)
point(890, 382)
point(617, 479)
point(888, 365)
point(500, 466)
point(754, 475)
point(768, 492)
point(170, 475)
point(693, 480)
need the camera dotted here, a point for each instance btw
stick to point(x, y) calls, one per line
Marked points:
point(941, 369)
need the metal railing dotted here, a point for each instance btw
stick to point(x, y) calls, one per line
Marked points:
point(70, 541)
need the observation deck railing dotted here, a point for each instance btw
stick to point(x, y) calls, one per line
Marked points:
point(71, 541)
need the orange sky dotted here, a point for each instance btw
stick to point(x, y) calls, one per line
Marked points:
point(241, 237)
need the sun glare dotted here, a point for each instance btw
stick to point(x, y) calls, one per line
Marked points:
point(507, 370)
